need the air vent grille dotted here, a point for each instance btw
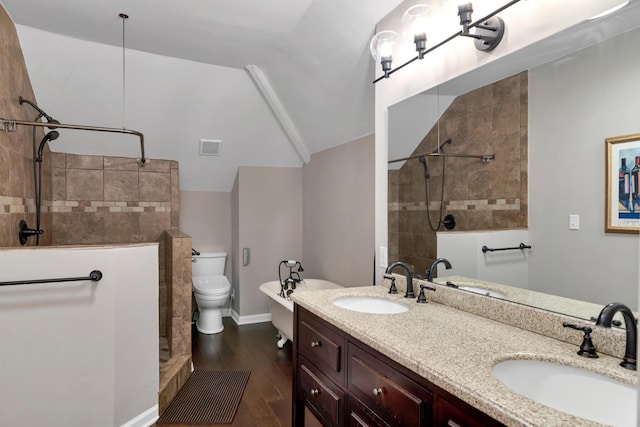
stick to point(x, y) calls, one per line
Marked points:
point(210, 147)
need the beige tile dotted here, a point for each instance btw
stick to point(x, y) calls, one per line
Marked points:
point(85, 184)
point(78, 228)
point(122, 227)
point(120, 185)
point(59, 184)
point(58, 160)
point(120, 164)
point(5, 168)
point(157, 166)
point(152, 225)
point(154, 187)
point(76, 161)
point(5, 230)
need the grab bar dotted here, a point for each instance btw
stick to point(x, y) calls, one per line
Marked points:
point(521, 246)
point(94, 276)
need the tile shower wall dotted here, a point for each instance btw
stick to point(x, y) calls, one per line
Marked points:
point(17, 199)
point(102, 200)
point(482, 196)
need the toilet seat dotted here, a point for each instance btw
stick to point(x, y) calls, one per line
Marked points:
point(211, 285)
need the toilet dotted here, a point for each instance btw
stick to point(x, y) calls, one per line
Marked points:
point(211, 290)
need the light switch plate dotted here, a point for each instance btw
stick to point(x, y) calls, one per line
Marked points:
point(574, 222)
point(384, 261)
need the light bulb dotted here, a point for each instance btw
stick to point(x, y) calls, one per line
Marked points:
point(382, 48)
point(414, 24)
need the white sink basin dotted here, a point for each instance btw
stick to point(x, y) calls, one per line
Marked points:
point(576, 391)
point(482, 291)
point(370, 305)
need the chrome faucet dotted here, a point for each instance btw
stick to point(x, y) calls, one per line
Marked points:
point(604, 319)
point(408, 274)
point(432, 269)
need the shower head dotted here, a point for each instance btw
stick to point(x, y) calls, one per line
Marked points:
point(50, 136)
point(40, 111)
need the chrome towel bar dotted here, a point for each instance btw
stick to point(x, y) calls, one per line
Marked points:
point(94, 276)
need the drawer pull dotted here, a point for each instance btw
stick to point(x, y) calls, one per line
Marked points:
point(315, 344)
point(452, 423)
point(314, 392)
point(377, 392)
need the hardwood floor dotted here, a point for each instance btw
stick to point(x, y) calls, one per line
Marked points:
point(266, 400)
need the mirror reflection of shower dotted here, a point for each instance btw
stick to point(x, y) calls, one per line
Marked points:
point(38, 150)
point(423, 160)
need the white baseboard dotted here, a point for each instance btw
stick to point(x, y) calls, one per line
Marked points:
point(248, 320)
point(145, 419)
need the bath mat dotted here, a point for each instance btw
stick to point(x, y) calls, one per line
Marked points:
point(208, 397)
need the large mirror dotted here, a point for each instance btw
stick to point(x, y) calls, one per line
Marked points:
point(544, 113)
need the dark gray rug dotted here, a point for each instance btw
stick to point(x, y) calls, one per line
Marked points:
point(208, 397)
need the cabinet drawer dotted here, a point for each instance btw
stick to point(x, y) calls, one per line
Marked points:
point(321, 394)
point(323, 347)
point(387, 391)
point(360, 416)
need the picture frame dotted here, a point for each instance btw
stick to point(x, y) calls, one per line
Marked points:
point(622, 195)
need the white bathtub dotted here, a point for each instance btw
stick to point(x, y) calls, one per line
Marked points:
point(282, 309)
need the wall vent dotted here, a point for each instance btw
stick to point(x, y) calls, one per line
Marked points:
point(210, 147)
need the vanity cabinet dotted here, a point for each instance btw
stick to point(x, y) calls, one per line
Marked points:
point(344, 382)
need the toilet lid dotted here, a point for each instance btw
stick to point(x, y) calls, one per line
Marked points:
point(211, 284)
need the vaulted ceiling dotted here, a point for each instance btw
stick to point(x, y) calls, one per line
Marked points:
point(185, 77)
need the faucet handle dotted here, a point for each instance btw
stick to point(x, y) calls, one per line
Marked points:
point(587, 349)
point(421, 298)
point(392, 288)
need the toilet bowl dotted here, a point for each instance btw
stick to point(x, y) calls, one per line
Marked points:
point(211, 290)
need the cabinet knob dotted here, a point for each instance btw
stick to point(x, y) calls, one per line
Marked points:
point(315, 392)
point(451, 423)
point(377, 391)
point(315, 344)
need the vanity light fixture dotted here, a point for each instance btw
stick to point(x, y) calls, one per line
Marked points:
point(381, 47)
point(487, 32)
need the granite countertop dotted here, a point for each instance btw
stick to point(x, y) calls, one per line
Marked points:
point(456, 351)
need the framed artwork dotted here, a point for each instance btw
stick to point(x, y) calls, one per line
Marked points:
point(622, 196)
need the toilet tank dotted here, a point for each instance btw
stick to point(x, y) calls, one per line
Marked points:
point(208, 264)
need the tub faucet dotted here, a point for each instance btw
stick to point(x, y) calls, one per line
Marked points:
point(409, 293)
point(605, 318)
point(432, 269)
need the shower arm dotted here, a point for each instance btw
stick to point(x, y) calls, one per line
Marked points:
point(486, 158)
point(10, 126)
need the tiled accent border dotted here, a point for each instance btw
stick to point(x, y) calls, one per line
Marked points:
point(460, 205)
point(109, 206)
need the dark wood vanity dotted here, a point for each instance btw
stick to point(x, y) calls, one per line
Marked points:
point(344, 382)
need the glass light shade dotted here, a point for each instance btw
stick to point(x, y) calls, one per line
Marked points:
point(382, 44)
point(415, 21)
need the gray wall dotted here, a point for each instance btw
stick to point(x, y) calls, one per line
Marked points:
point(337, 212)
point(575, 103)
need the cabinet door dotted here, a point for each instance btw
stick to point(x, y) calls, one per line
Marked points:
point(325, 398)
point(461, 415)
point(358, 415)
point(386, 391)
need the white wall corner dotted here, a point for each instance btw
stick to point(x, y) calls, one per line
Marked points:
point(263, 84)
